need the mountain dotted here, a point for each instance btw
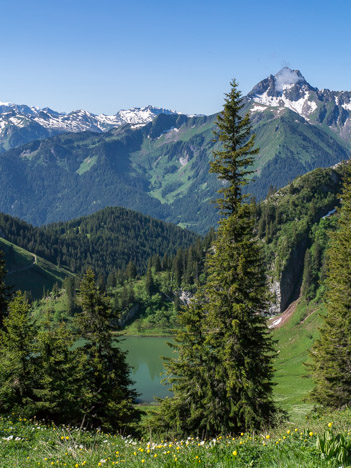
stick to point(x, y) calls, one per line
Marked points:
point(161, 168)
point(20, 124)
point(298, 128)
point(107, 240)
point(288, 89)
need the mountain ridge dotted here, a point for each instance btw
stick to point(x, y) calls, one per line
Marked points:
point(161, 168)
point(17, 121)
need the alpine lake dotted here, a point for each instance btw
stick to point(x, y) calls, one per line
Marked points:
point(145, 358)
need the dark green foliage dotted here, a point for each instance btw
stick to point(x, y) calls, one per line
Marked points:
point(332, 352)
point(58, 373)
point(17, 371)
point(106, 399)
point(149, 282)
point(111, 239)
point(3, 288)
point(154, 299)
point(39, 372)
point(69, 285)
point(222, 379)
point(46, 373)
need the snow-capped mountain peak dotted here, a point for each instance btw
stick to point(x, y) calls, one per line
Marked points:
point(287, 89)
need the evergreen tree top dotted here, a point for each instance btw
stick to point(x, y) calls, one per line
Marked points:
point(231, 163)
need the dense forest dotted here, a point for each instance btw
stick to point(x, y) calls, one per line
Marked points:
point(107, 240)
point(122, 246)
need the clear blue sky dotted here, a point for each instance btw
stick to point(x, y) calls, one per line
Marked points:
point(107, 55)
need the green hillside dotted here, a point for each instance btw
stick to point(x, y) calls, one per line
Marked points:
point(295, 335)
point(29, 272)
point(160, 169)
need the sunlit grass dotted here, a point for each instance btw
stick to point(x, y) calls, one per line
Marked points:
point(26, 443)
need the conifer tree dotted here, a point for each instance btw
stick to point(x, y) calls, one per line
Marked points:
point(222, 378)
point(69, 284)
point(106, 398)
point(59, 373)
point(17, 374)
point(331, 353)
point(149, 282)
point(4, 290)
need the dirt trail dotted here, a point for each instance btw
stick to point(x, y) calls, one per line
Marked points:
point(279, 320)
point(16, 270)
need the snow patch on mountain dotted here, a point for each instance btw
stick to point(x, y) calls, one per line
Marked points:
point(257, 108)
point(76, 121)
point(303, 106)
point(184, 161)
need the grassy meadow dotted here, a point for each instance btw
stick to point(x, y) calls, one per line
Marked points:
point(319, 443)
point(305, 439)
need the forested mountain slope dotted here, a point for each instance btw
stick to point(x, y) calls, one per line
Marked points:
point(161, 169)
point(107, 240)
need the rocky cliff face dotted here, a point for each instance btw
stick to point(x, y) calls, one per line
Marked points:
point(289, 218)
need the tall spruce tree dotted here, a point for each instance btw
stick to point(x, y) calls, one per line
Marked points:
point(17, 373)
point(59, 372)
point(331, 353)
point(222, 378)
point(106, 399)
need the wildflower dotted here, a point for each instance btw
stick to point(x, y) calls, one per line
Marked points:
point(268, 436)
point(330, 424)
point(235, 453)
point(288, 431)
point(311, 434)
